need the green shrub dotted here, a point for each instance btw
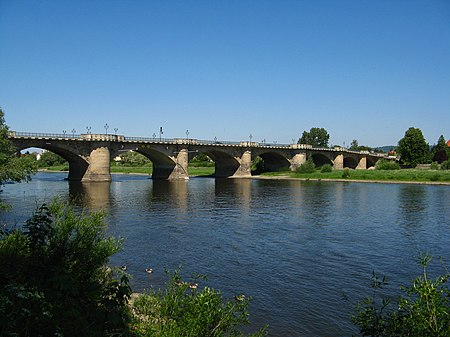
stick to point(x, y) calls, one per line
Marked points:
point(422, 311)
point(445, 165)
point(435, 177)
point(326, 168)
point(307, 167)
point(384, 164)
point(346, 173)
point(434, 166)
point(54, 278)
point(182, 310)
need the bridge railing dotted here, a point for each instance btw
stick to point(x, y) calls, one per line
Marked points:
point(42, 135)
point(193, 141)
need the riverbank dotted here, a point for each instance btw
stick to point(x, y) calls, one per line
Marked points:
point(404, 176)
point(372, 181)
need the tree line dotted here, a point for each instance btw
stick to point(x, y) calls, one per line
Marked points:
point(412, 149)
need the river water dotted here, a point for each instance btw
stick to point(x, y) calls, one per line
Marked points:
point(304, 251)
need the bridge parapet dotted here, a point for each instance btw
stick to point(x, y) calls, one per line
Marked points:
point(102, 137)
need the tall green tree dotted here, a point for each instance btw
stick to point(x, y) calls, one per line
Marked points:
point(12, 168)
point(317, 137)
point(440, 151)
point(354, 146)
point(413, 148)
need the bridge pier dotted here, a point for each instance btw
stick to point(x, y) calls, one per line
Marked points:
point(362, 164)
point(297, 160)
point(99, 166)
point(338, 163)
point(245, 165)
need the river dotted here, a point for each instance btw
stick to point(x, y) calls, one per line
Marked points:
point(304, 251)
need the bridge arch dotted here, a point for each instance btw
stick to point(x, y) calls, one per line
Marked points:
point(274, 162)
point(350, 162)
point(163, 165)
point(321, 159)
point(371, 161)
point(77, 164)
point(226, 165)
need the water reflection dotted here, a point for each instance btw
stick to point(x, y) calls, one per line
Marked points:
point(412, 202)
point(93, 195)
point(173, 193)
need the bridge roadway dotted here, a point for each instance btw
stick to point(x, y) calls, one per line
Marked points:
point(89, 155)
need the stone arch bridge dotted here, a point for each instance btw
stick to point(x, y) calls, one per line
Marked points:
point(89, 155)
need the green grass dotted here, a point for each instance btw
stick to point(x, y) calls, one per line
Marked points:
point(193, 171)
point(201, 171)
point(381, 175)
point(131, 169)
point(394, 175)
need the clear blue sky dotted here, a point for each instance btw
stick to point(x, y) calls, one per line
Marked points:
point(361, 69)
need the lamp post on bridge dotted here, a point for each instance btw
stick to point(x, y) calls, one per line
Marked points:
point(115, 131)
point(160, 133)
point(88, 128)
point(73, 133)
point(154, 136)
point(106, 128)
point(64, 133)
point(187, 134)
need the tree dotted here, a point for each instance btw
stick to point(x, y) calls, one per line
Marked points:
point(133, 158)
point(48, 159)
point(440, 150)
point(317, 137)
point(55, 281)
point(413, 148)
point(12, 168)
point(354, 145)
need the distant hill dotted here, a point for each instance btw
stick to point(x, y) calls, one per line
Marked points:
point(386, 148)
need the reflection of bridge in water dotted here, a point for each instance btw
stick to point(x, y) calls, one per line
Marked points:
point(89, 155)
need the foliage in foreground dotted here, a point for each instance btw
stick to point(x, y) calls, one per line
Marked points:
point(423, 310)
point(12, 168)
point(182, 310)
point(55, 282)
point(54, 279)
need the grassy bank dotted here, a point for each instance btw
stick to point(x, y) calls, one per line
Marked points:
point(403, 175)
point(193, 171)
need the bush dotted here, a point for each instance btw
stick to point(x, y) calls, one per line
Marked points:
point(307, 167)
point(422, 311)
point(134, 159)
point(346, 173)
point(326, 168)
point(445, 165)
point(384, 164)
point(54, 278)
point(182, 310)
point(434, 166)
